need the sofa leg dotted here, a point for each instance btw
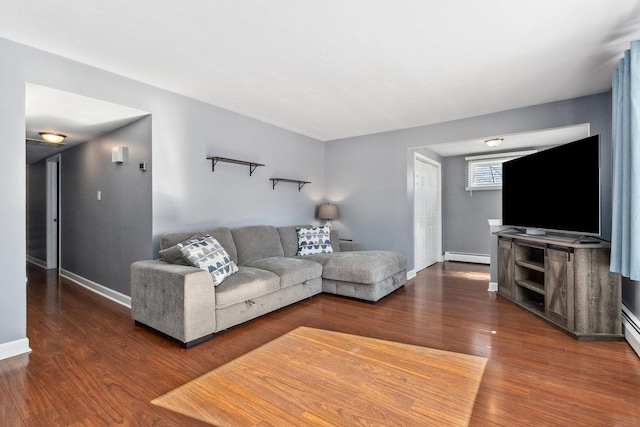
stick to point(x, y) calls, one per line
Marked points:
point(198, 341)
point(184, 344)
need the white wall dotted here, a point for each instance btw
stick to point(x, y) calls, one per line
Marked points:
point(13, 307)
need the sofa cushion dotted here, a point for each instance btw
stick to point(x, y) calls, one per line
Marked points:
point(256, 242)
point(314, 240)
point(367, 267)
point(248, 283)
point(223, 235)
point(289, 239)
point(291, 271)
point(208, 254)
point(335, 240)
point(174, 255)
point(169, 241)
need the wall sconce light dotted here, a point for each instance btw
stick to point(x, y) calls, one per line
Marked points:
point(54, 138)
point(494, 142)
point(328, 211)
point(119, 154)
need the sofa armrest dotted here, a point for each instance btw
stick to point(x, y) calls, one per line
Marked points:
point(348, 245)
point(176, 300)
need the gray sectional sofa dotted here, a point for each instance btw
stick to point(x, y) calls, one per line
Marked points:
point(181, 301)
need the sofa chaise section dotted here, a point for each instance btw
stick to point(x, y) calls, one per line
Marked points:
point(365, 275)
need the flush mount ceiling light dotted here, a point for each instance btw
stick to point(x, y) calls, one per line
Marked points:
point(494, 142)
point(54, 138)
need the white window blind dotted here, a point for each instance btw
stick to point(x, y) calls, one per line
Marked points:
point(485, 172)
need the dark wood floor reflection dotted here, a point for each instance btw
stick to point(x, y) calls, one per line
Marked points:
point(91, 365)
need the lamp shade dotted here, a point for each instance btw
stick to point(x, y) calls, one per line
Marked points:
point(328, 211)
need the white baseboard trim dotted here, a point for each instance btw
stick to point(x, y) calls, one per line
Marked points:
point(36, 261)
point(631, 326)
point(493, 287)
point(99, 289)
point(14, 348)
point(465, 257)
point(411, 274)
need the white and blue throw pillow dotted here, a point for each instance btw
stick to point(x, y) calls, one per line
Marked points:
point(208, 254)
point(314, 240)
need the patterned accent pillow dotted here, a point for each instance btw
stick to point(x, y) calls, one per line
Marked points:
point(314, 240)
point(208, 254)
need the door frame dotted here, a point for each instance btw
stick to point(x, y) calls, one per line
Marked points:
point(417, 157)
point(53, 212)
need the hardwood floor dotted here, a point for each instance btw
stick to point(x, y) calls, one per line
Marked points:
point(91, 365)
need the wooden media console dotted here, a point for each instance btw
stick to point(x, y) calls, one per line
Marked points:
point(565, 282)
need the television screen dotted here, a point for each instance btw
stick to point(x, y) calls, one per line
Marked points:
point(555, 190)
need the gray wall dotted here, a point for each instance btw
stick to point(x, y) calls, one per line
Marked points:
point(466, 228)
point(101, 238)
point(185, 191)
point(37, 211)
point(370, 175)
point(13, 304)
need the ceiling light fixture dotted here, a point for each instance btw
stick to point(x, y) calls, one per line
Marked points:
point(494, 142)
point(54, 138)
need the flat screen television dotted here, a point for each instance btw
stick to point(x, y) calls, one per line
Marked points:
point(555, 190)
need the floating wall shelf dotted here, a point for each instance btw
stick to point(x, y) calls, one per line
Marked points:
point(295, 181)
point(216, 159)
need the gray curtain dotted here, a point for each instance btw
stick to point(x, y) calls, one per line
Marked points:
point(625, 233)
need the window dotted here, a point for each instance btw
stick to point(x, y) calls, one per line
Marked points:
point(485, 172)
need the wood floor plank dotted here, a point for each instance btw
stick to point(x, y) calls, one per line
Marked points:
point(535, 374)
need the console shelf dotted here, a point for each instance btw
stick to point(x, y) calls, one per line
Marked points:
point(538, 266)
point(216, 159)
point(531, 285)
point(565, 282)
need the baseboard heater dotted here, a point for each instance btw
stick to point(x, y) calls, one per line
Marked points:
point(631, 326)
point(467, 257)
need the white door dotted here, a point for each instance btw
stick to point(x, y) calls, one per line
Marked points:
point(53, 207)
point(426, 212)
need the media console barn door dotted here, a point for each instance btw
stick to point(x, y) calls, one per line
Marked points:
point(558, 278)
point(505, 275)
point(564, 282)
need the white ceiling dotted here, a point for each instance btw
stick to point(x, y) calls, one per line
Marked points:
point(337, 68)
point(513, 142)
point(80, 118)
